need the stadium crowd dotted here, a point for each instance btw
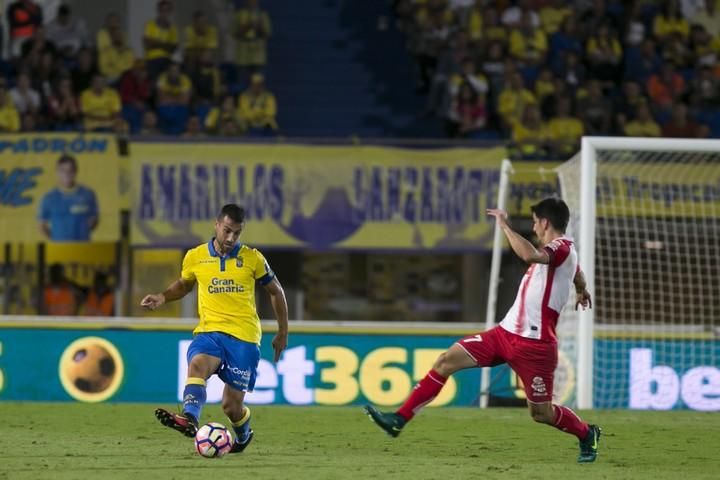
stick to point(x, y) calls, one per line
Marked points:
point(542, 73)
point(539, 73)
point(59, 77)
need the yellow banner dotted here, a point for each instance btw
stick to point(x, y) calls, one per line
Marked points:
point(659, 189)
point(319, 197)
point(43, 198)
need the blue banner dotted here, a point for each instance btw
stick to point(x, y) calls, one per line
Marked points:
point(657, 374)
point(150, 366)
point(95, 365)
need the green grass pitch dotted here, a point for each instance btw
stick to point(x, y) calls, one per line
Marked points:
point(108, 441)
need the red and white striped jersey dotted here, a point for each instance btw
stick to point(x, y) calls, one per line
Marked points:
point(543, 292)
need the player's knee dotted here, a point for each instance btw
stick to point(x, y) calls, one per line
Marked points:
point(197, 369)
point(443, 365)
point(440, 361)
point(541, 417)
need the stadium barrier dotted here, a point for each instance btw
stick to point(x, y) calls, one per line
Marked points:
point(326, 363)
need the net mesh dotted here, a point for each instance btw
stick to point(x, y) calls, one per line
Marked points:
point(657, 276)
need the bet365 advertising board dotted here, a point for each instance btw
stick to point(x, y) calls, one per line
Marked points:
point(87, 364)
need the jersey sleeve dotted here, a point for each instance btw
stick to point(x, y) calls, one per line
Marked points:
point(188, 267)
point(557, 250)
point(263, 272)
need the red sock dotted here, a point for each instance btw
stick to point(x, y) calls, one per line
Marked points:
point(568, 421)
point(424, 392)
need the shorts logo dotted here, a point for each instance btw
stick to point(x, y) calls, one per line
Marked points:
point(245, 374)
point(474, 338)
point(538, 386)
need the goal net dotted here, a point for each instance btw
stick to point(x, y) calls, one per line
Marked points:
point(646, 217)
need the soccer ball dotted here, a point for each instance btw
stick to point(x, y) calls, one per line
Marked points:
point(213, 440)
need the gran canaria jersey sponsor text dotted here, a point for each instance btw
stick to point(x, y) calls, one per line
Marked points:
point(224, 285)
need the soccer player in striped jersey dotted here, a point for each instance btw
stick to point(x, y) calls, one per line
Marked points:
point(227, 338)
point(526, 338)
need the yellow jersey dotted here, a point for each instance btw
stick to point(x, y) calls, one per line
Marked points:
point(157, 32)
point(9, 117)
point(195, 40)
point(115, 61)
point(106, 105)
point(226, 289)
point(182, 87)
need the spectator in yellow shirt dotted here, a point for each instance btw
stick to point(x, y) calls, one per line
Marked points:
point(174, 87)
point(200, 36)
point(544, 85)
point(220, 117)
point(483, 25)
point(474, 23)
point(252, 29)
point(530, 134)
point(9, 117)
point(117, 58)
point(100, 106)
point(102, 39)
point(604, 54)
point(528, 44)
point(670, 22)
point(553, 15)
point(160, 39)
point(513, 100)
point(564, 129)
point(644, 125)
point(205, 78)
point(257, 107)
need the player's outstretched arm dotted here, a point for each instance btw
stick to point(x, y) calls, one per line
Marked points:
point(177, 290)
point(582, 296)
point(522, 248)
point(279, 305)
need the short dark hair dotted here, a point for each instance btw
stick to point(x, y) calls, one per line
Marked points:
point(234, 212)
point(65, 158)
point(555, 211)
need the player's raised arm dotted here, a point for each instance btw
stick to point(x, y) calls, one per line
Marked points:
point(582, 296)
point(522, 247)
point(279, 305)
point(177, 290)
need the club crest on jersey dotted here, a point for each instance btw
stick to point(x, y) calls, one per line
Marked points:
point(538, 386)
point(238, 262)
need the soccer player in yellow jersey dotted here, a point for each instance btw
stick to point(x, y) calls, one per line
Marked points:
point(227, 338)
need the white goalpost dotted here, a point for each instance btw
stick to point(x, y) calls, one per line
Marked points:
point(646, 220)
